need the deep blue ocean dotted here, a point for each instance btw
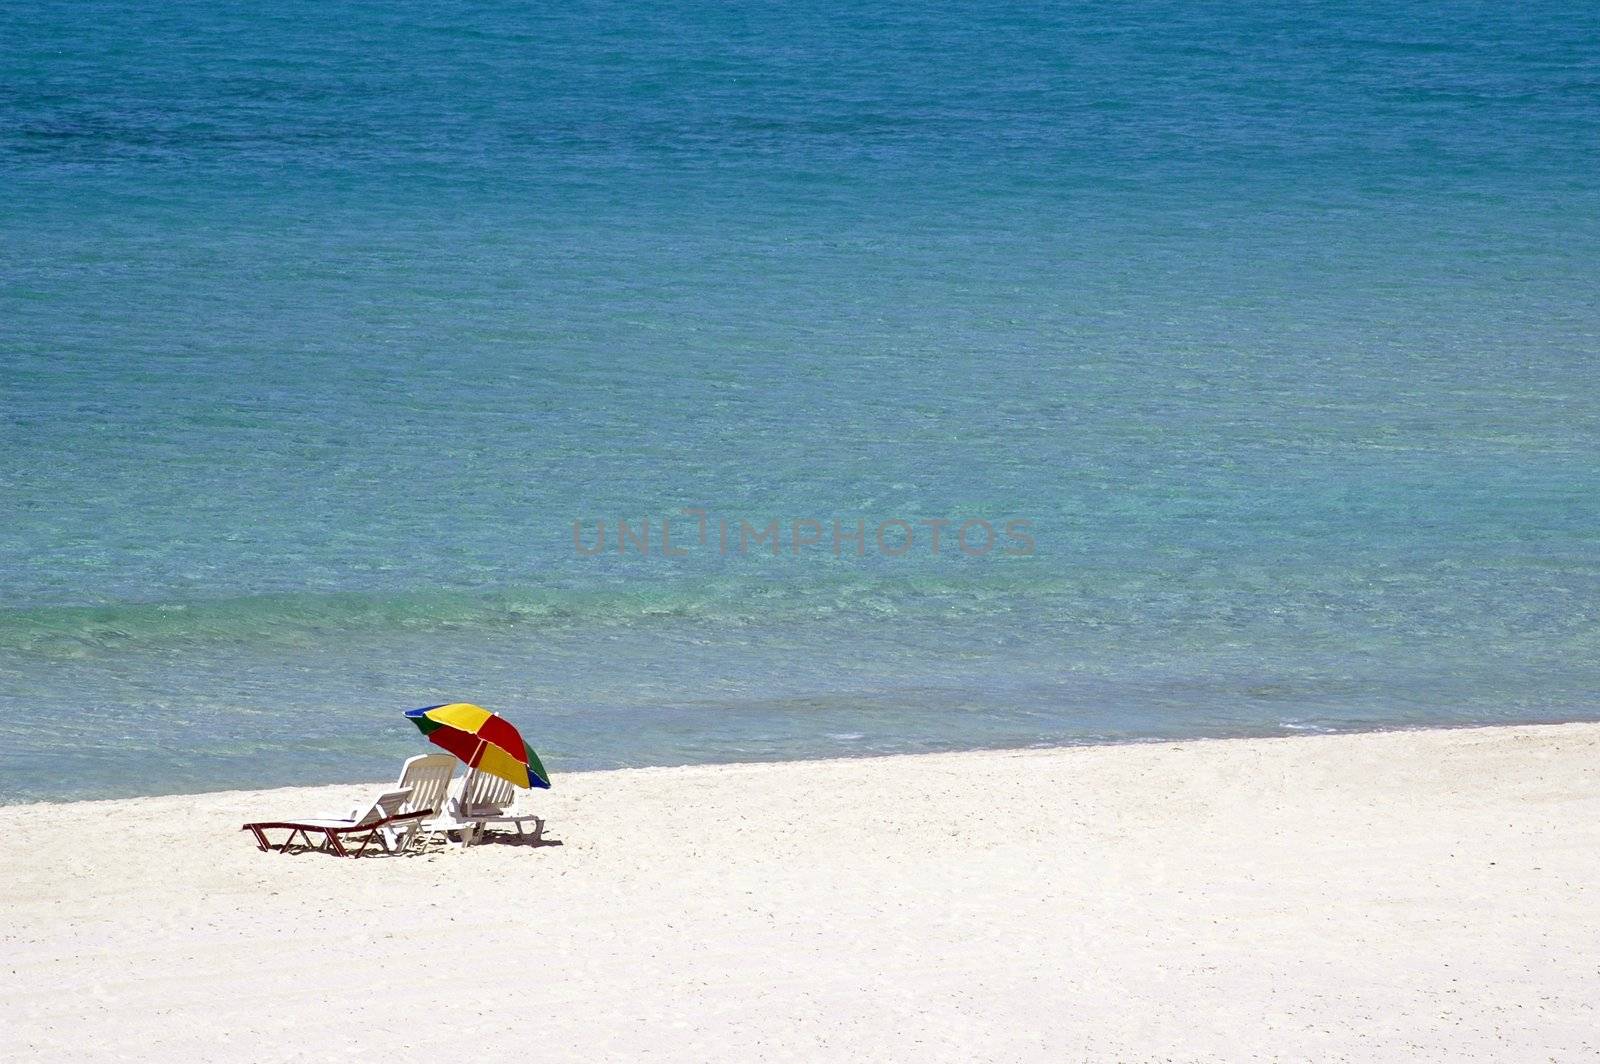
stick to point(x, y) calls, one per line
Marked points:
point(322, 323)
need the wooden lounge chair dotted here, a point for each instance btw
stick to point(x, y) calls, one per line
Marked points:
point(379, 820)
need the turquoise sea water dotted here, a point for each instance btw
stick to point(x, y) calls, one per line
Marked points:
point(320, 325)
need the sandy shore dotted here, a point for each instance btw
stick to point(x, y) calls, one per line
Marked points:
point(1389, 896)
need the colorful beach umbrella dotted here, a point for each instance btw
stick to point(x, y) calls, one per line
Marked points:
point(482, 740)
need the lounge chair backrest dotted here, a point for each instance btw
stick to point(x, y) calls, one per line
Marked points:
point(428, 776)
point(483, 792)
point(384, 805)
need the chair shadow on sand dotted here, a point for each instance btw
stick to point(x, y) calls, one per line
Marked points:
point(534, 839)
point(530, 840)
point(368, 843)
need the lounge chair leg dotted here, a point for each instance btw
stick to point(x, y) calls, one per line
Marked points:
point(411, 838)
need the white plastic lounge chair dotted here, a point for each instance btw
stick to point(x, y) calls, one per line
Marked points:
point(384, 819)
point(427, 778)
point(486, 800)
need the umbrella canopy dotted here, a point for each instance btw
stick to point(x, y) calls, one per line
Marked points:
point(484, 741)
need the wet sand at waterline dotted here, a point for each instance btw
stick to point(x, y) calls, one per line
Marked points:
point(1403, 895)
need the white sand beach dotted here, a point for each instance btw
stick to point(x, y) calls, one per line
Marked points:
point(1403, 896)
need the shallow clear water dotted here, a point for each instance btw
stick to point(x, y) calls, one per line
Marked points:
point(320, 327)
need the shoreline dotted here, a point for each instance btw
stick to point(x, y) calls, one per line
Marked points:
point(1399, 894)
point(1157, 741)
